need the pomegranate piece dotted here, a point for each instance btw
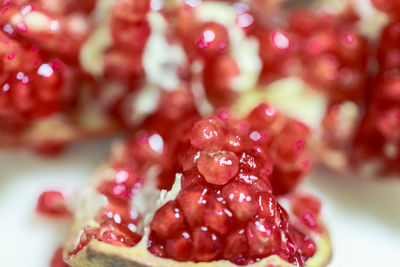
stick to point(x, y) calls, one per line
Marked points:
point(209, 40)
point(378, 134)
point(223, 190)
point(218, 79)
point(52, 203)
point(216, 215)
point(34, 86)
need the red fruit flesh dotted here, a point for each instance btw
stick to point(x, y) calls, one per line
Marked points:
point(52, 203)
point(228, 210)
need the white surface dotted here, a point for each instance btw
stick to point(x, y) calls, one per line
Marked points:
point(363, 216)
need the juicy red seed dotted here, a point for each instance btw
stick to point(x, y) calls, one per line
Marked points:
point(168, 221)
point(206, 245)
point(303, 243)
point(256, 160)
point(241, 200)
point(207, 135)
point(180, 247)
point(268, 207)
point(156, 246)
point(235, 142)
point(389, 124)
point(262, 237)
point(115, 193)
point(57, 259)
point(212, 39)
point(308, 249)
point(114, 232)
point(289, 153)
point(256, 182)
point(235, 244)
point(217, 216)
point(309, 220)
point(218, 168)
point(190, 159)
point(262, 116)
point(191, 178)
point(52, 203)
point(306, 203)
point(193, 201)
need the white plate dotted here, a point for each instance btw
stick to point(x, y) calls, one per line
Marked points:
point(363, 216)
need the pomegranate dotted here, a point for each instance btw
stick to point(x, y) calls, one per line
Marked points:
point(225, 207)
point(378, 135)
point(60, 27)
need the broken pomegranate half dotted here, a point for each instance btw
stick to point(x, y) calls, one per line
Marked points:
point(233, 178)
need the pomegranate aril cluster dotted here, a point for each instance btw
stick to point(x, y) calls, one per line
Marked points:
point(208, 43)
point(59, 27)
point(150, 147)
point(378, 136)
point(227, 207)
point(33, 85)
point(130, 30)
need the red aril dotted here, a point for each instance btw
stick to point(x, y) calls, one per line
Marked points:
point(52, 203)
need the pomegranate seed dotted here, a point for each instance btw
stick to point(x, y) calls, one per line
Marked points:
point(217, 216)
point(241, 200)
point(268, 207)
point(262, 237)
point(211, 39)
point(235, 244)
point(168, 220)
point(193, 201)
point(206, 134)
point(52, 203)
point(179, 248)
point(262, 116)
point(218, 168)
point(306, 203)
point(206, 245)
